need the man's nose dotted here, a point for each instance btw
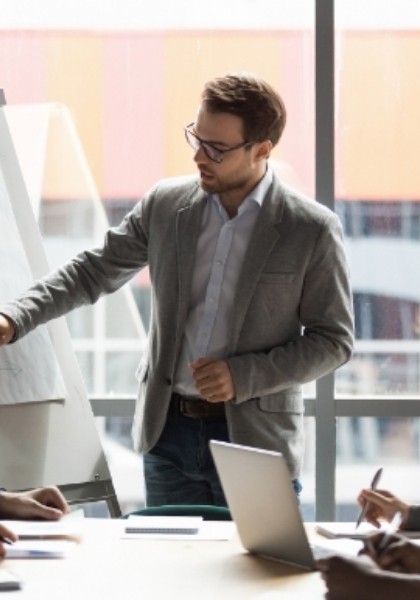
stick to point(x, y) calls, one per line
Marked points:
point(200, 155)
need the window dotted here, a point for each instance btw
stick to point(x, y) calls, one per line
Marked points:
point(130, 79)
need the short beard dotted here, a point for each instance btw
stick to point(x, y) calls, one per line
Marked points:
point(223, 188)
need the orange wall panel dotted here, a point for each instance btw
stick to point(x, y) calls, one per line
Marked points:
point(133, 126)
point(191, 60)
point(75, 77)
point(378, 134)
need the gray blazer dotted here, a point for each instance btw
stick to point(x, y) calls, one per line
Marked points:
point(292, 321)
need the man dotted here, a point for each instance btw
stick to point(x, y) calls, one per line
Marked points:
point(392, 573)
point(250, 297)
point(41, 503)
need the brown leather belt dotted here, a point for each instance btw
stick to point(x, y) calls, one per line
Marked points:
point(197, 408)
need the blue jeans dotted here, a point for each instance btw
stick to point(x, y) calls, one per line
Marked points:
point(180, 468)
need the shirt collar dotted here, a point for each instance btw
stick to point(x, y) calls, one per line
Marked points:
point(261, 189)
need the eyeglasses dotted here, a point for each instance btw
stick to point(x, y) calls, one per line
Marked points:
point(213, 153)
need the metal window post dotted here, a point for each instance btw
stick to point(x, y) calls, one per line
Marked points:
point(325, 445)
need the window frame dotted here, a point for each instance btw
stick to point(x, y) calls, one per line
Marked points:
point(324, 407)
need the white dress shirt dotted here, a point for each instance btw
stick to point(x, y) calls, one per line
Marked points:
point(221, 248)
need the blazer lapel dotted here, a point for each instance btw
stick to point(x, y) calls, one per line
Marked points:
point(188, 226)
point(265, 236)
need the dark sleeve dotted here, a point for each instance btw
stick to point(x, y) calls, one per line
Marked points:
point(413, 521)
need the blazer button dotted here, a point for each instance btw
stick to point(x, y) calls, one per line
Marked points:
point(169, 381)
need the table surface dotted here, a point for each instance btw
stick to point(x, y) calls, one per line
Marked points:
point(105, 565)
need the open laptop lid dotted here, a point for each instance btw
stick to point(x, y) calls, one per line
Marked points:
point(263, 503)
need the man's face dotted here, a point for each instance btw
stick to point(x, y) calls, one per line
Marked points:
point(238, 169)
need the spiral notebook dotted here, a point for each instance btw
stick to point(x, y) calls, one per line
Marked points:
point(163, 525)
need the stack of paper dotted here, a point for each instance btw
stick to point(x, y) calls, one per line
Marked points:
point(64, 529)
point(44, 539)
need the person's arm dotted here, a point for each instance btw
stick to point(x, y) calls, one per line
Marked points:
point(80, 281)
point(382, 506)
point(359, 578)
point(41, 503)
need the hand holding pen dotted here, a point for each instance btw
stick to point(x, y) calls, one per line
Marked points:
point(382, 506)
point(373, 486)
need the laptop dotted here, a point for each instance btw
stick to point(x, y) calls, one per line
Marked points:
point(263, 504)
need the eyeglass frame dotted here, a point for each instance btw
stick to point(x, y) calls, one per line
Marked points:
point(206, 145)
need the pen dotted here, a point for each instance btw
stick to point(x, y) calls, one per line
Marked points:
point(373, 486)
point(5, 540)
point(392, 528)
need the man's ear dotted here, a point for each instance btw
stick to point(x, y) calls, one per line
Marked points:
point(263, 150)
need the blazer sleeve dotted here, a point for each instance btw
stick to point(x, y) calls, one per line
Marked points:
point(83, 279)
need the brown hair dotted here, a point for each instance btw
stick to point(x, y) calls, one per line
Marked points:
point(249, 97)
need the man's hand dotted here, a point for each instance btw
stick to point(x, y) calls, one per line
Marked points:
point(7, 331)
point(213, 379)
point(42, 503)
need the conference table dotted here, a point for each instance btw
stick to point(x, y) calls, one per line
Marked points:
point(105, 565)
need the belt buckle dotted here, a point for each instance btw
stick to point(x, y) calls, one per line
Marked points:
point(182, 403)
point(186, 408)
point(197, 408)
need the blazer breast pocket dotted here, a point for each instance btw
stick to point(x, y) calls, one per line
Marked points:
point(283, 278)
point(275, 290)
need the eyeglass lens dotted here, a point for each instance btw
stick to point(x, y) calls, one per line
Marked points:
point(195, 143)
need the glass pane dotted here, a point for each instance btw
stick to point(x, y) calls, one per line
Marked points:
point(364, 444)
point(307, 479)
point(72, 218)
point(129, 80)
point(125, 465)
point(378, 191)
